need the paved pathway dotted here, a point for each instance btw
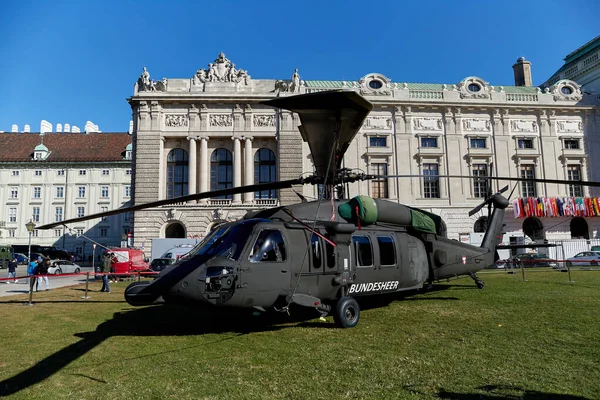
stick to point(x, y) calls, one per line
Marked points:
point(22, 286)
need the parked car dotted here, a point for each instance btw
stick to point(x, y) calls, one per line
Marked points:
point(21, 258)
point(585, 258)
point(533, 260)
point(63, 267)
point(158, 264)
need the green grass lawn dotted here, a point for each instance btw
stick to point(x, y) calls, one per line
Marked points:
point(513, 340)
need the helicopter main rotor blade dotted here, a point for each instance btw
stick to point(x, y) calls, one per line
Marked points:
point(499, 178)
point(330, 121)
point(197, 196)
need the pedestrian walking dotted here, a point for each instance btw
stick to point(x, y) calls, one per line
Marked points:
point(106, 266)
point(43, 265)
point(12, 270)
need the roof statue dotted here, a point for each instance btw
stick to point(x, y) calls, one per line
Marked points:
point(292, 85)
point(221, 70)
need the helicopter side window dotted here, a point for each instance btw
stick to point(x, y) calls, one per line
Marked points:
point(387, 250)
point(269, 247)
point(363, 251)
point(330, 254)
point(315, 246)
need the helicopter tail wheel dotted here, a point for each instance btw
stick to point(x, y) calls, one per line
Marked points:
point(346, 313)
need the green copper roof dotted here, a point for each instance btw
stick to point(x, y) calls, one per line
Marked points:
point(40, 147)
point(583, 50)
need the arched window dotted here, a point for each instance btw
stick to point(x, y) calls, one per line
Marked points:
point(264, 172)
point(481, 224)
point(533, 228)
point(221, 171)
point(175, 230)
point(579, 228)
point(177, 173)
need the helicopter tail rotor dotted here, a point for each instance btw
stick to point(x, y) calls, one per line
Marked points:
point(491, 199)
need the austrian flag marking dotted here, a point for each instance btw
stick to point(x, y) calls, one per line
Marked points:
point(464, 258)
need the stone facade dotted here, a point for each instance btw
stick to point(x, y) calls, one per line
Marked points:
point(442, 129)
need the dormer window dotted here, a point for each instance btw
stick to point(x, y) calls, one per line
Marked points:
point(128, 151)
point(38, 155)
point(40, 152)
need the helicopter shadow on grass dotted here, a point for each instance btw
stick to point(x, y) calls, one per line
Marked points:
point(500, 392)
point(160, 320)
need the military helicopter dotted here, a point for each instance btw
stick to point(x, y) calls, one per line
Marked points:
point(319, 254)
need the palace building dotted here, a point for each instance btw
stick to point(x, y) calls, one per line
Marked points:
point(54, 175)
point(209, 131)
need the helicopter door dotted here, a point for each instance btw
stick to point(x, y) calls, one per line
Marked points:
point(387, 260)
point(268, 266)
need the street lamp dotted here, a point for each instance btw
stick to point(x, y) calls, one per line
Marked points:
point(30, 227)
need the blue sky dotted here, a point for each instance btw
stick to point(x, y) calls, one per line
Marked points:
point(71, 61)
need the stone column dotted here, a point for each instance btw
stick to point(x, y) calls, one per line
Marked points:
point(204, 173)
point(237, 168)
point(161, 169)
point(192, 165)
point(248, 168)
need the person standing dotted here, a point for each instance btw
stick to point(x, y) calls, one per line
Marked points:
point(43, 265)
point(12, 270)
point(32, 269)
point(106, 265)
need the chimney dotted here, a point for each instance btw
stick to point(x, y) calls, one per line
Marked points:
point(522, 69)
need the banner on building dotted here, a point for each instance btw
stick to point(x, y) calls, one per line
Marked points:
point(556, 207)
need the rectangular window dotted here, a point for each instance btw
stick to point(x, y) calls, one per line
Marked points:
point(477, 143)
point(105, 172)
point(82, 172)
point(525, 143)
point(60, 172)
point(35, 214)
point(14, 173)
point(38, 172)
point(429, 142)
point(103, 232)
point(60, 192)
point(574, 174)
point(14, 192)
point(363, 251)
point(377, 141)
point(128, 172)
point(572, 144)
point(379, 185)
point(36, 233)
point(57, 232)
point(127, 191)
point(81, 191)
point(431, 181)
point(126, 217)
point(79, 232)
point(80, 211)
point(37, 192)
point(528, 187)
point(103, 209)
point(387, 250)
point(12, 233)
point(104, 192)
point(58, 214)
point(480, 186)
point(12, 214)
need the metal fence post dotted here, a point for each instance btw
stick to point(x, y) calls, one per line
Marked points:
point(87, 282)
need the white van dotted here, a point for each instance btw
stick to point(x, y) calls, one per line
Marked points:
point(177, 252)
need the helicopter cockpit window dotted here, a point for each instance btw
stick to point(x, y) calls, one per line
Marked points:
point(269, 247)
point(315, 246)
point(363, 251)
point(387, 250)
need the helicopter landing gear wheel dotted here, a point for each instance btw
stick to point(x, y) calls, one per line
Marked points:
point(480, 284)
point(346, 313)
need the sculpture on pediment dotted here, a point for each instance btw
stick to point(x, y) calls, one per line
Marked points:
point(221, 70)
point(293, 85)
point(144, 82)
